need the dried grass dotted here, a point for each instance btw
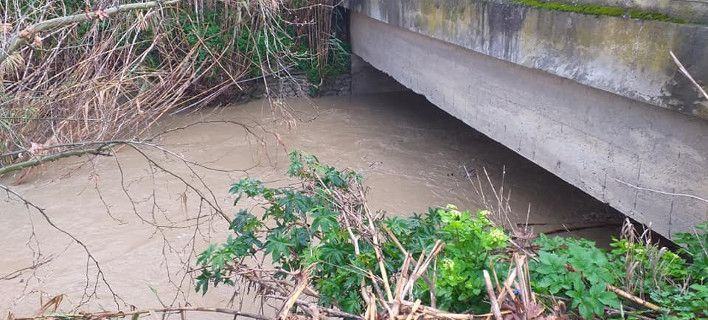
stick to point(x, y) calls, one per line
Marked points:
point(113, 70)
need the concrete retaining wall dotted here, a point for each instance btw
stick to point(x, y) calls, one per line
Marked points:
point(614, 148)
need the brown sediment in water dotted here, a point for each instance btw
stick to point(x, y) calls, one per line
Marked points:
point(412, 155)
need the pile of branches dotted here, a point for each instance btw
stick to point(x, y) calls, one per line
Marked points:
point(75, 71)
point(510, 299)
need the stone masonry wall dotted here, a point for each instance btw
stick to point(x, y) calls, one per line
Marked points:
point(295, 86)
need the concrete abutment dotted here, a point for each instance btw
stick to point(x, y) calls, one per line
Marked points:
point(646, 161)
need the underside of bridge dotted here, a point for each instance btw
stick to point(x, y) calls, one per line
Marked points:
point(628, 130)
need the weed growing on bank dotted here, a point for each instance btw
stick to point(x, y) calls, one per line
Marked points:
point(325, 249)
point(76, 71)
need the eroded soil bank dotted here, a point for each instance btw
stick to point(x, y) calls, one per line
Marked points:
point(139, 222)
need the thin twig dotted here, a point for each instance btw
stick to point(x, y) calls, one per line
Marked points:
point(688, 75)
point(25, 35)
point(121, 314)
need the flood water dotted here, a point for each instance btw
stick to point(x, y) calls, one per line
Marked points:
point(144, 226)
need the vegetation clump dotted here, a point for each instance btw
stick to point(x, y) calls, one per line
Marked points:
point(75, 71)
point(321, 237)
point(600, 10)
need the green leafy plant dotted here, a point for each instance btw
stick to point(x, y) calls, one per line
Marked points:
point(311, 226)
point(304, 231)
point(695, 248)
point(471, 242)
point(301, 226)
point(684, 293)
point(579, 271)
point(576, 269)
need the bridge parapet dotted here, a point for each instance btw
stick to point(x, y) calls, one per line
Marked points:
point(625, 56)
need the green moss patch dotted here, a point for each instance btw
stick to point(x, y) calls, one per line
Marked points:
point(598, 10)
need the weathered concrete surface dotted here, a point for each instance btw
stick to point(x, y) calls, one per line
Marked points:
point(612, 147)
point(627, 57)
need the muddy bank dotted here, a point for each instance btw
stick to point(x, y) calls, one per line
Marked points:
point(411, 154)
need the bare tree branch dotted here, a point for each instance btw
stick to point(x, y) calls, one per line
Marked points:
point(26, 35)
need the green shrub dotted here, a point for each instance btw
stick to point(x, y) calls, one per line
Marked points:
point(300, 227)
point(684, 294)
point(471, 242)
point(304, 230)
point(578, 270)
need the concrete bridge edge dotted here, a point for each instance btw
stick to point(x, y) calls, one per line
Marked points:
point(647, 162)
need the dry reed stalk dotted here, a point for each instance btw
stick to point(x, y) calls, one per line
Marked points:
point(633, 298)
point(72, 74)
point(492, 297)
point(293, 297)
point(136, 313)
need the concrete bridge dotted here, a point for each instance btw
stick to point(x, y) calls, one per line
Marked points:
point(595, 99)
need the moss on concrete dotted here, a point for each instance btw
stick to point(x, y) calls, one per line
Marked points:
point(598, 10)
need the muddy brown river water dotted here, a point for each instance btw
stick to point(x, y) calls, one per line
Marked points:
point(412, 155)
